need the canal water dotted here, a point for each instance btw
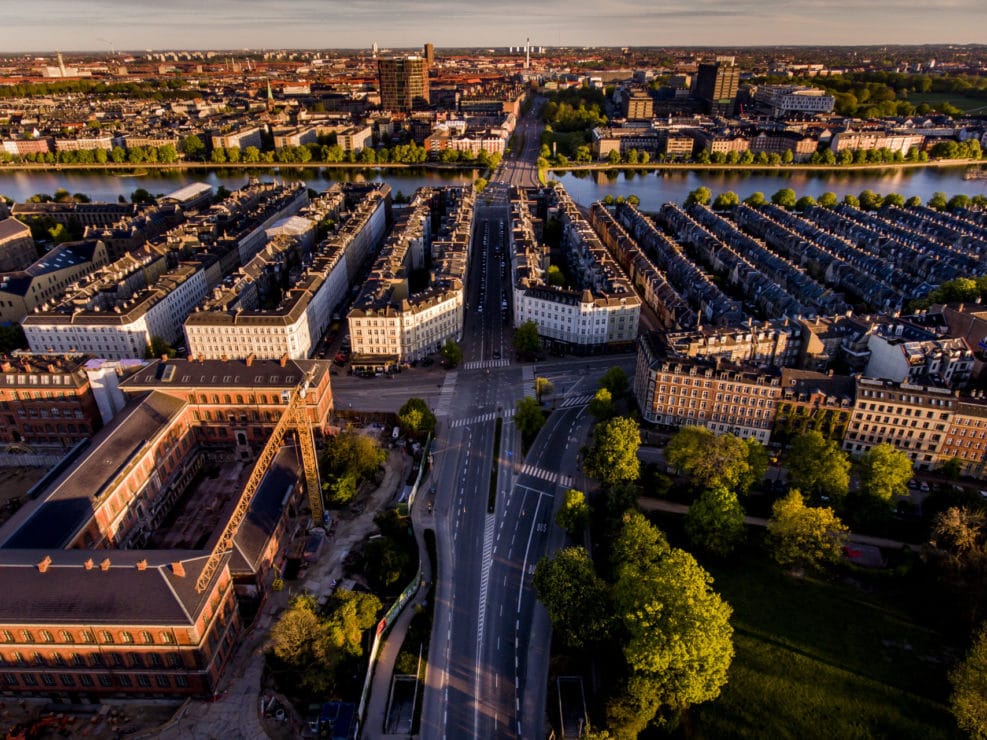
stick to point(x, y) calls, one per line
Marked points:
point(652, 187)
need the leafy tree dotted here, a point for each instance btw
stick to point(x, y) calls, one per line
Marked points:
point(725, 201)
point(12, 337)
point(755, 199)
point(894, 199)
point(543, 387)
point(717, 461)
point(314, 646)
point(554, 276)
point(885, 472)
point(601, 406)
point(958, 202)
point(870, 201)
point(354, 454)
point(387, 564)
point(679, 636)
point(297, 636)
point(613, 456)
point(804, 536)
point(192, 147)
point(528, 417)
point(938, 201)
point(452, 353)
point(715, 521)
point(574, 596)
point(527, 341)
point(159, 348)
point(818, 466)
point(851, 200)
point(969, 698)
point(786, 198)
point(573, 515)
point(415, 417)
point(951, 468)
point(828, 200)
point(805, 203)
point(700, 195)
point(615, 381)
point(141, 196)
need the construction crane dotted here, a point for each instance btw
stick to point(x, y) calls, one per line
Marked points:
point(295, 417)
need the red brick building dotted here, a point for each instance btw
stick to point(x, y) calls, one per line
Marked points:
point(46, 403)
point(100, 571)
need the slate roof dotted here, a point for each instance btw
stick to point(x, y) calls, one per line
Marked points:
point(66, 507)
point(69, 593)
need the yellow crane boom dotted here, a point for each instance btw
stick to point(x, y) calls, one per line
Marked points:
point(296, 418)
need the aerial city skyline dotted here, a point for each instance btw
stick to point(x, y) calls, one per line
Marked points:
point(457, 370)
point(123, 24)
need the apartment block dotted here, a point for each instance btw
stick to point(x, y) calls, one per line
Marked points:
point(389, 323)
point(722, 396)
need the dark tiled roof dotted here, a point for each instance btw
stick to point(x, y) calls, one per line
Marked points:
point(224, 374)
point(265, 511)
point(68, 505)
point(69, 593)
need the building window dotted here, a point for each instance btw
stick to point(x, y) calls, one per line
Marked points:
point(67, 637)
point(106, 636)
point(46, 636)
point(67, 680)
point(125, 680)
point(147, 638)
point(85, 679)
point(105, 680)
point(163, 682)
point(26, 636)
point(144, 681)
point(48, 679)
point(127, 638)
point(181, 681)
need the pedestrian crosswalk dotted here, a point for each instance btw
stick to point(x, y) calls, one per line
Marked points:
point(576, 401)
point(551, 476)
point(489, 416)
point(486, 364)
point(446, 395)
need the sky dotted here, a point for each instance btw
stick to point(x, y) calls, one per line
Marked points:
point(102, 25)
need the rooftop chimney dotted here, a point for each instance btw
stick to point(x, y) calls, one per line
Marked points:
point(142, 564)
point(105, 565)
point(89, 564)
point(178, 569)
point(284, 360)
point(43, 565)
point(250, 359)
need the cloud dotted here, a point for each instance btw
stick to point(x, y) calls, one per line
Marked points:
point(138, 24)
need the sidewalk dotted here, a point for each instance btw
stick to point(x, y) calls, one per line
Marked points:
point(652, 504)
point(380, 688)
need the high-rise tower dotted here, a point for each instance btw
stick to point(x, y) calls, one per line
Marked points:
point(403, 83)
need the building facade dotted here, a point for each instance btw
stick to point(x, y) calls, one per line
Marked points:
point(404, 83)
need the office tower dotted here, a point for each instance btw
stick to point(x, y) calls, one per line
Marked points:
point(716, 85)
point(403, 83)
point(429, 54)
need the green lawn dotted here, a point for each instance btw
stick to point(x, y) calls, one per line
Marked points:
point(965, 104)
point(819, 659)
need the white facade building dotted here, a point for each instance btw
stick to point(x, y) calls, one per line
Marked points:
point(231, 327)
point(603, 310)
